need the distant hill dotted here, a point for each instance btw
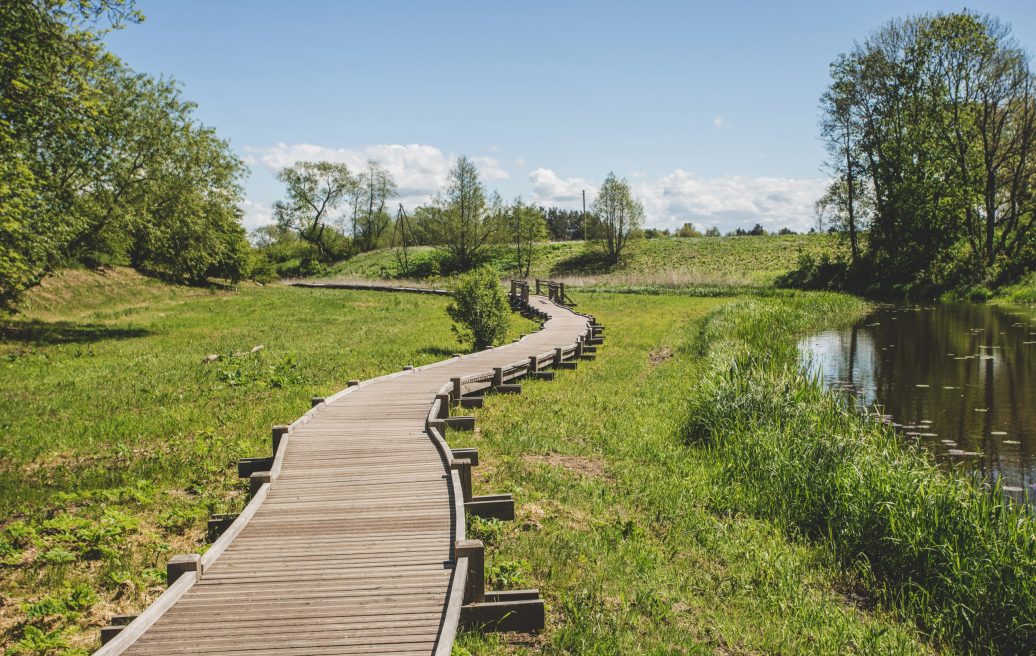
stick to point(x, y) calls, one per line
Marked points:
point(754, 261)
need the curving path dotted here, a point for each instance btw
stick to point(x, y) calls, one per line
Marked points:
point(349, 543)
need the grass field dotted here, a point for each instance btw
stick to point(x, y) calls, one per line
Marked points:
point(643, 515)
point(725, 261)
point(120, 439)
point(631, 535)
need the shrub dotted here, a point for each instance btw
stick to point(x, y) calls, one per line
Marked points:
point(480, 310)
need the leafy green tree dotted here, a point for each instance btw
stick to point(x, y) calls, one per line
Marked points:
point(466, 220)
point(931, 124)
point(620, 214)
point(315, 190)
point(712, 232)
point(50, 59)
point(527, 226)
point(373, 189)
point(479, 309)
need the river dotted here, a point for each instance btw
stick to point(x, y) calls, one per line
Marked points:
point(958, 377)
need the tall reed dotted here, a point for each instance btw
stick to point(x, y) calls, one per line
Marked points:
point(956, 557)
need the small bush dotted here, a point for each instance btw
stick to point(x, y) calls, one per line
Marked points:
point(480, 310)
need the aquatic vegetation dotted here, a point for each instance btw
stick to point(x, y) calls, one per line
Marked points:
point(955, 557)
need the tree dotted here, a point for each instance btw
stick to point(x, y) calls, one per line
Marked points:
point(314, 191)
point(479, 308)
point(930, 123)
point(620, 215)
point(527, 226)
point(101, 164)
point(841, 130)
point(374, 187)
point(466, 220)
point(50, 59)
point(712, 232)
point(688, 230)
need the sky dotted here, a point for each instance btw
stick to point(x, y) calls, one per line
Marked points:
point(709, 110)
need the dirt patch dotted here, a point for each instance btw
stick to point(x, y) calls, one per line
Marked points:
point(659, 355)
point(581, 465)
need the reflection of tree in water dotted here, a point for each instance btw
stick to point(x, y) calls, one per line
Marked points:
point(963, 367)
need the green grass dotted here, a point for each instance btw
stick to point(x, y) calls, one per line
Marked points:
point(728, 262)
point(1022, 293)
point(120, 439)
point(957, 559)
point(631, 535)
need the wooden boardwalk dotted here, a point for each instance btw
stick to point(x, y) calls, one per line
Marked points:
point(353, 542)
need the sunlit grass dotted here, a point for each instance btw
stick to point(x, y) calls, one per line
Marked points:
point(120, 437)
point(631, 535)
point(957, 559)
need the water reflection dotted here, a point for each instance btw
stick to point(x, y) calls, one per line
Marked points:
point(959, 377)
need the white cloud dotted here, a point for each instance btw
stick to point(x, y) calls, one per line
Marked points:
point(256, 214)
point(520, 163)
point(727, 202)
point(419, 170)
point(549, 189)
point(720, 122)
point(489, 169)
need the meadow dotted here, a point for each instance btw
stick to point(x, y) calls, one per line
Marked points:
point(631, 535)
point(121, 437)
point(686, 492)
point(733, 263)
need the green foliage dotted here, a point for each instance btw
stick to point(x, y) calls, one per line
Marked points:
point(479, 309)
point(640, 544)
point(931, 129)
point(620, 213)
point(465, 220)
point(506, 574)
point(698, 263)
point(315, 190)
point(100, 164)
point(125, 437)
point(527, 226)
point(942, 551)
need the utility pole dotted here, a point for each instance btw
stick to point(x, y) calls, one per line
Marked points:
point(584, 215)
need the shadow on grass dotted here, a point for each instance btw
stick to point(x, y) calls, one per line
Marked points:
point(439, 351)
point(63, 332)
point(587, 261)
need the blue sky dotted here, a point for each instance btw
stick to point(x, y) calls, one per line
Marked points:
point(710, 110)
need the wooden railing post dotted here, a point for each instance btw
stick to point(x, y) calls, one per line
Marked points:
point(534, 363)
point(463, 469)
point(456, 389)
point(475, 552)
point(444, 405)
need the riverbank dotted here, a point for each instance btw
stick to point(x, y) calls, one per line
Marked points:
point(956, 559)
point(639, 543)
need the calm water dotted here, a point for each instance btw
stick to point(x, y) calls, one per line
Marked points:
point(960, 377)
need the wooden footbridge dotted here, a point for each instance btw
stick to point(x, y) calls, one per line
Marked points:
point(353, 541)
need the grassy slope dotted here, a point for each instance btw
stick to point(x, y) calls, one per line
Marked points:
point(630, 534)
point(956, 558)
point(120, 441)
point(720, 260)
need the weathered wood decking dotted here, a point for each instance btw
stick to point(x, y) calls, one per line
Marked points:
point(351, 547)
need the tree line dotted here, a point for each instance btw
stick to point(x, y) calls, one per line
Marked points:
point(930, 125)
point(332, 213)
point(101, 164)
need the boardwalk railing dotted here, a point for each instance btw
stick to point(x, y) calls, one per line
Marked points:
point(354, 538)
